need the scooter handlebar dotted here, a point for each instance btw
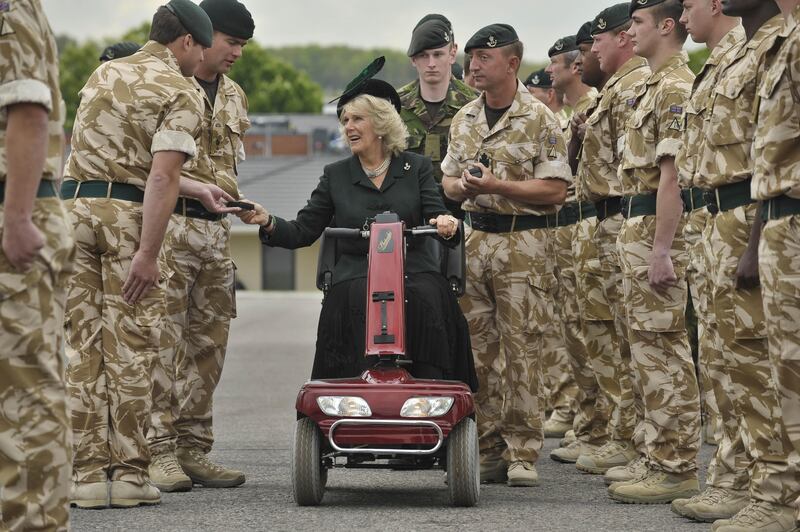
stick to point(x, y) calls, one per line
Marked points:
point(422, 230)
point(345, 232)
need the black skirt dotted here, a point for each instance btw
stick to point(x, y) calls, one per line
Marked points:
point(437, 335)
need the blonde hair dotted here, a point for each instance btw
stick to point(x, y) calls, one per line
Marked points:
point(384, 118)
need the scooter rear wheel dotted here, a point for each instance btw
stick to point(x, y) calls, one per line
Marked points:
point(309, 474)
point(463, 464)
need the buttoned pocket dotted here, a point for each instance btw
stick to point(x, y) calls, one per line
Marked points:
point(649, 310)
point(785, 316)
point(540, 310)
point(733, 115)
point(640, 148)
point(515, 162)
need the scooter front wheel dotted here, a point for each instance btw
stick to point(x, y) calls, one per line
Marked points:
point(309, 474)
point(463, 464)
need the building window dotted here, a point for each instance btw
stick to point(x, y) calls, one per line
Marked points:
point(278, 269)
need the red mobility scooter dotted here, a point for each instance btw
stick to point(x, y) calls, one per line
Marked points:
point(385, 418)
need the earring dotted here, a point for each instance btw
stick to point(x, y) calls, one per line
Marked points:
point(380, 137)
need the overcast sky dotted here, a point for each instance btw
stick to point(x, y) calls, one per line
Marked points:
point(360, 23)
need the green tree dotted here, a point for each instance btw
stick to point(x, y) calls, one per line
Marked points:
point(697, 58)
point(76, 63)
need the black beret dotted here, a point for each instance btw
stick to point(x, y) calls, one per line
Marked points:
point(641, 4)
point(584, 34)
point(539, 79)
point(194, 20)
point(562, 46)
point(365, 84)
point(230, 17)
point(434, 16)
point(120, 49)
point(492, 36)
point(611, 18)
point(428, 35)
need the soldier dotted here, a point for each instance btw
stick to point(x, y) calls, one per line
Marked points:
point(776, 180)
point(134, 129)
point(516, 143)
point(201, 297)
point(726, 165)
point(468, 79)
point(727, 479)
point(654, 260)
point(119, 50)
point(432, 100)
point(540, 85)
point(35, 261)
point(599, 269)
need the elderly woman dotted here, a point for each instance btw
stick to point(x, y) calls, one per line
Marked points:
point(378, 177)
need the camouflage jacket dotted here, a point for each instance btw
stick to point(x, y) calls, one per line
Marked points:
point(727, 156)
point(526, 143)
point(698, 109)
point(428, 135)
point(130, 109)
point(602, 145)
point(655, 129)
point(586, 102)
point(221, 145)
point(29, 74)
point(777, 138)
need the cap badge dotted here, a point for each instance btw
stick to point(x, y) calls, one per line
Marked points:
point(641, 2)
point(446, 37)
point(535, 80)
point(559, 45)
point(407, 167)
point(601, 24)
point(492, 42)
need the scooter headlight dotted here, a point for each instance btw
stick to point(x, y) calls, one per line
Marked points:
point(344, 406)
point(426, 407)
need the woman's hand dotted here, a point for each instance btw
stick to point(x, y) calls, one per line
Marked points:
point(446, 225)
point(258, 216)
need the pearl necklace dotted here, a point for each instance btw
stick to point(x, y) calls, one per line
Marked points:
point(377, 171)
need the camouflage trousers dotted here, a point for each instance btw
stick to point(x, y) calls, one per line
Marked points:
point(660, 351)
point(508, 304)
point(35, 443)
point(591, 413)
point(729, 467)
point(605, 322)
point(200, 304)
point(560, 388)
point(111, 345)
point(779, 268)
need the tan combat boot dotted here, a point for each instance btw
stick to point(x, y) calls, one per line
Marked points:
point(203, 471)
point(89, 495)
point(656, 487)
point(635, 469)
point(127, 494)
point(612, 454)
point(571, 453)
point(167, 475)
point(522, 474)
point(759, 516)
point(568, 438)
point(493, 471)
point(556, 428)
point(712, 504)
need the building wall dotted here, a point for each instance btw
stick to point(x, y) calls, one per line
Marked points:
point(305, 268)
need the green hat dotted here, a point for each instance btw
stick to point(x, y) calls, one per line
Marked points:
point(562, 46)
point(611, 18)
point(434, 16)
point(641, 4)
point(230, 17)
point(365, 84)
point(539, 79)
point(120, 49)
point(584, 34)
point(430, 34)
point(194, 20)
point(492, 36)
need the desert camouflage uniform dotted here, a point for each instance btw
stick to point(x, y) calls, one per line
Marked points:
point(427, 135)
point(595, 249)
point(729, 466)
point(660, 349)
point(200, 297)
point(130, 109)
point(35, 449)
point(777, 172)
point(509, 275)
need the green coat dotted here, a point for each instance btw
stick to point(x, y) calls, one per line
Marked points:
point(345, 197)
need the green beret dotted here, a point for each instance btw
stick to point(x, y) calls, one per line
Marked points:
point(562, 46)
point(194, 20)
point(492, 36)
point(539, 79)
point(230, 17)
point(641, 4)
point(429, 35)
point(584, 34)
point(457, 70)
point(434, 16)
point(120, 49)
point(611, 18)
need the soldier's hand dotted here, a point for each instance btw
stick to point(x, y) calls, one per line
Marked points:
point(747, 270)
point(258, 216)
point(22, 241)
point(661, 275)
point(143, 275)
point(214, 198)
point(578, 125)
point(473, 186)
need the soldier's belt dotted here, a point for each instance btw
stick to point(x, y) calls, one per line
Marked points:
point(728, 197)
point(192, 208)
point(780, 207)
point(507, 223)
point(638, 205)
point(608, 207)
point(72, 189)
point(47, 189)
point(693, 198)
point(573, 212)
